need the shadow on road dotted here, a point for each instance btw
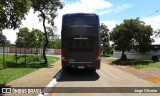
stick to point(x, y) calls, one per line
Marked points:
point(78, 75)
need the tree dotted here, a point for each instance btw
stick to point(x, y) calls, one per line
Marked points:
point(47, 10)
point(52, 32)
point(56, 44)
point(3, 39)
point(38, 38)
point(23, 37)
point(12, 12)
point(132, 33)
point(104, 34)
point(157, 33)
point(27, 38)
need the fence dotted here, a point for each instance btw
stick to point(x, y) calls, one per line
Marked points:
point(11, 55)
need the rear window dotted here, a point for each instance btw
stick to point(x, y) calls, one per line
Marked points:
point(81, 44)
point(84, 20)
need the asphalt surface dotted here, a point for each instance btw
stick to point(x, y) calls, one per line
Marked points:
point(107, 76)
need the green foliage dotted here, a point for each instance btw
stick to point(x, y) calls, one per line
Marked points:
point(3, 39)
point(47, 10)
point(110, 50)
point(137, 63)
point(157, 33)
point(55, 44)
point(10, 60)
point(22, 37)
point(27, 38)
point(9, 74)
point(132, 33)
point(12, 12)
point(37, 38)
point(104, 34)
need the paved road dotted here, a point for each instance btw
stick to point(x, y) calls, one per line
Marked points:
point(107, 76)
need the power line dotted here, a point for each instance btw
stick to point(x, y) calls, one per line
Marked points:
point(155, 12)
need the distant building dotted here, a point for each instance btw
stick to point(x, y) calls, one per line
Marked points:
point(132, 54)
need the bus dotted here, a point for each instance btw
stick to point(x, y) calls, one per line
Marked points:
point(80, 46)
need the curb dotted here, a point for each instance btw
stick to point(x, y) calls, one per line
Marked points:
point(48, 88)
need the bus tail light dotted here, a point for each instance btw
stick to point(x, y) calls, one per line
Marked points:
point(98, 54)
point(64, 58)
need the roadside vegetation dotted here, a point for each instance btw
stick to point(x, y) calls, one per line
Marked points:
point(20, 69)
point(13, 61)
point(133, 63)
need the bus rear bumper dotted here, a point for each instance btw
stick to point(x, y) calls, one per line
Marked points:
point(81, 65)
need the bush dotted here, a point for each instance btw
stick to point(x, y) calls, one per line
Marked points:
point(155, 58)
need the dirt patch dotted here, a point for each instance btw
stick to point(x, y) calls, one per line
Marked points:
point(149, 74)
point(153, 79)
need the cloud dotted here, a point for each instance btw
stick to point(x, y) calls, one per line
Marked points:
point(86, 6)
point(154, 21)
point(115, 9)
point(103, 12)
point(109, 24)
point(121, 8)
point(99, 7)
point(10, 34)
point(30, 22)
point(80, 6)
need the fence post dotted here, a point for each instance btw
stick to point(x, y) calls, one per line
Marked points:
point(37, 53)
point(41, 53)
point(4, 64)
point(16, 54)
point(25, 55)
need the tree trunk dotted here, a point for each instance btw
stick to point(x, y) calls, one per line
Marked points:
point(123, 56)
point(46, 41)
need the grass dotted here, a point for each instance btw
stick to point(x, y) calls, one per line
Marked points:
point(10, 60)
point(150, 64)
point(14, 72)
point(111, 59)
point(134, 63)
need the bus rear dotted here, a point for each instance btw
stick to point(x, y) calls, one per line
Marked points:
point(80, 41)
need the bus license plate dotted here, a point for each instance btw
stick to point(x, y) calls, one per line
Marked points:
point(80, 67)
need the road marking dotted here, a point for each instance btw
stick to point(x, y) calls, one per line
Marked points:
point(48, 88)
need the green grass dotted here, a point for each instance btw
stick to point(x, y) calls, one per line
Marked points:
point(10, 60)
point(150, 64)
point(134, 63)
point(14, 72)
point(110, 59)
point(105, 55)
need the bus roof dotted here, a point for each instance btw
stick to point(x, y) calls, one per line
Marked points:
point(72, 14)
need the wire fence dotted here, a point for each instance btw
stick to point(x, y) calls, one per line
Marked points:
point(12, 56)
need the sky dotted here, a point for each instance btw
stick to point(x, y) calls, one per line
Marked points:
point(111, 13)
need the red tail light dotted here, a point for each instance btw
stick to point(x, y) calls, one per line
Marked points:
point(98, 54)
point(64, 58)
